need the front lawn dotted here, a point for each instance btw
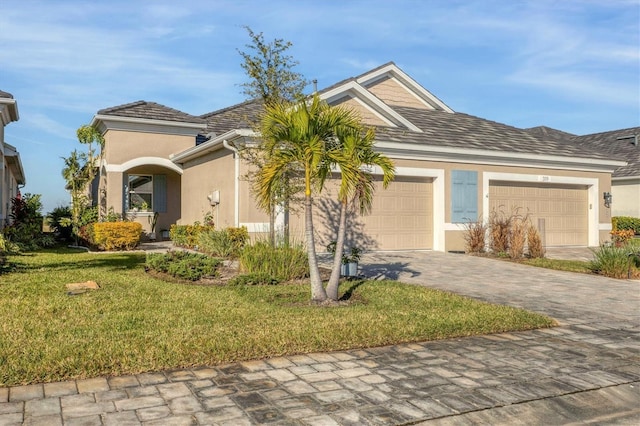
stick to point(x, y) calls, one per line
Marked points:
point(137, 323)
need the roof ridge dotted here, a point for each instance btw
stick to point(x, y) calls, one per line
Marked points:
point(229, 108)
point(637, 128)
point(150, 110)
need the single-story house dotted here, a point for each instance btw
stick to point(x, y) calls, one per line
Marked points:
point(451, 168)
point(12, 176)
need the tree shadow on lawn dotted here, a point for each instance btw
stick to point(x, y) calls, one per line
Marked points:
point(123, 260)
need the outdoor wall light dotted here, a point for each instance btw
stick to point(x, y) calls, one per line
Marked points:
point(607, 199)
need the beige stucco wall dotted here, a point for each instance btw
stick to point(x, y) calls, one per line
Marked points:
point(122, 146)
point(249, 211)
point(202, 176)
point(626, 198)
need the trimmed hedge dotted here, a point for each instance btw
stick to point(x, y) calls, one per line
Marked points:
point(187, 235)
point(620, 223)
point(117, 235)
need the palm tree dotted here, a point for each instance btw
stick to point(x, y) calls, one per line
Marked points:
point(300, 138)
point(356, 186)
point(76, 175)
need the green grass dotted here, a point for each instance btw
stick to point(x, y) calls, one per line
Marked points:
point(560, 264)
point(137, 323)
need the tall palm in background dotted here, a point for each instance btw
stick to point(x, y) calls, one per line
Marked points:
point(77, 177)
point(301, 138)
point(357, 186)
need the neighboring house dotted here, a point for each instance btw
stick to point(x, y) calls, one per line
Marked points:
point(451, 168)
point(11, 172)
point(625, 181)
point(624, 144)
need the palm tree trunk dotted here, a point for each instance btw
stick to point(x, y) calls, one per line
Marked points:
point(317, 290)
point(334, 281)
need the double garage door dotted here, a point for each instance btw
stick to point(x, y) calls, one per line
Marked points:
point(401, 217)
point(559, 211)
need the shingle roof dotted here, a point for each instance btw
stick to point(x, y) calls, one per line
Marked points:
point(5, 95)
point(549, 133)
point(150, 111)
point(245, 114)
point(609, 144)
point(461, 130)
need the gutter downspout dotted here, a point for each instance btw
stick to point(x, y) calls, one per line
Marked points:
point(236, 186)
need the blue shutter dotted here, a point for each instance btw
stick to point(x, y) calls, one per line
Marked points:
point(125, 192)
point(464, 196)
point(160, 193)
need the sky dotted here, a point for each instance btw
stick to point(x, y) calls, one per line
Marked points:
point(573, 65)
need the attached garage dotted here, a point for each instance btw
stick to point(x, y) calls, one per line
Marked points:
point(561, 212)
point(401, 217)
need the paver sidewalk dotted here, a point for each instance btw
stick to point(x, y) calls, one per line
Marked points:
point(588, 369)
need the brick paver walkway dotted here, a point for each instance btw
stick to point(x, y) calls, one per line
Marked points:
point(588, 369)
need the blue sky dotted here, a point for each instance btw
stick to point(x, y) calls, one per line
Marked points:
point(573, 65)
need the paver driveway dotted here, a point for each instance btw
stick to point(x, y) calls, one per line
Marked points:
point(586, 370)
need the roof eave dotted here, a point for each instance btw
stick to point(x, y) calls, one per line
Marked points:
point(479, 156)
point(625, 178)
point(15, 164)
point(10, 112)
point(211, 145)
point(102, 118)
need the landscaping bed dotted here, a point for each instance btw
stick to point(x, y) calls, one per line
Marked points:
point(136, 322)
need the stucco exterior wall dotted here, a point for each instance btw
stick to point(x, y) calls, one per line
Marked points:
point(122, 146)
point(626, 198)
point(202, 176)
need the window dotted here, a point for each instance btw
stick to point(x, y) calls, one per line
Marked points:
point(141, 192)
point(146, 192)
point(464, 196)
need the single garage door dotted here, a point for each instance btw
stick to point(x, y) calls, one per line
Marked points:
point(401, 217)
point(560, 210)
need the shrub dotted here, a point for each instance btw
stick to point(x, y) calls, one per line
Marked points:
point(25, 229)
point(517, 237)
point(187, 235)
point(117, 235)
point(223, 243)
point(626, 222)
point(253, 279)
point(59, 220)
point(282, 263)
point(475, 235)
point(184, 265)
point(615, 262)
point(620, 237)
point(499, 228)
point(534, 243)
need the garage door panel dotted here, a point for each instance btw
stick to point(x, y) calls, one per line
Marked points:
point(562, 209)
point(401, 217)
